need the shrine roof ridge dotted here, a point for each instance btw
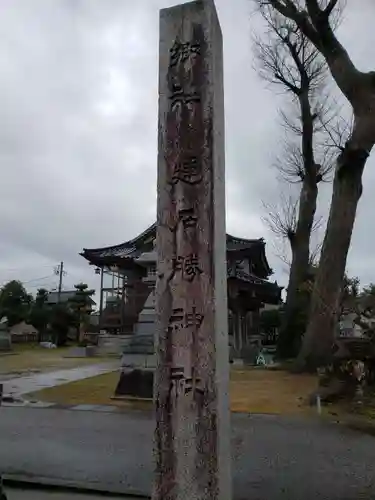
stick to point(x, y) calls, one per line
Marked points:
point(128, 247)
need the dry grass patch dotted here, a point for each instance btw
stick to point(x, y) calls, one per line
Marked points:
point(94, 390)
point(270, 391)
point(33, 358)
point(251, 391)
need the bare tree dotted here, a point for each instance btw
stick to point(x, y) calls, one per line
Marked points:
point(315, 20)
point(286, 58)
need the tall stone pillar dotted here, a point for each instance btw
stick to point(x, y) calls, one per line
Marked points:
point(192, 436)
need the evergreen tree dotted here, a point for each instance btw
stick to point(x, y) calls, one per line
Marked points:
point(81, 305)
point(40, 313)
point(15, 302)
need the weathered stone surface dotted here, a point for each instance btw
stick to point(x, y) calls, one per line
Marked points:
point(192, 449)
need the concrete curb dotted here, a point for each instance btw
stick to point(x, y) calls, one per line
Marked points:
point(17, 481)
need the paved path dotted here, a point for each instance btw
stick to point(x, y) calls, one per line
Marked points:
point(274, 458)
point(19, 386)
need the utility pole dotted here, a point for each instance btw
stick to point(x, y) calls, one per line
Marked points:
point(60, 271)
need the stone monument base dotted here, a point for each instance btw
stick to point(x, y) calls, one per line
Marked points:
point(135, 383)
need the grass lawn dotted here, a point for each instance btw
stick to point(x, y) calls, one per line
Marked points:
point(251, 390)
point(33, 358)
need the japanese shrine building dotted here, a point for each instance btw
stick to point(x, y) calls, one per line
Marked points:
point(128, 275)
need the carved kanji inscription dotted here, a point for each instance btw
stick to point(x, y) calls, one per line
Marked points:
point(188, 170)
point(182, 385)
point(182, 88)
point(181, 319)
point(188, 266)
point(181, 52)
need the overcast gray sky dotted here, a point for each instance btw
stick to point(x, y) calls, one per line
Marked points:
point(78, 131)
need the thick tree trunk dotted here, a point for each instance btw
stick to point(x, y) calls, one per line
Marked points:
point(289, 338)
point(347, 189)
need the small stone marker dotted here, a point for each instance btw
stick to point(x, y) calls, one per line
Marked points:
point(192, 437)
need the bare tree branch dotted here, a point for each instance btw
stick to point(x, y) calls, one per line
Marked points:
point(282, 219)
point(281, 250)
point(315, 254)
point(290, 163)
point(331, 5)
point(315, 22)
point(337, 134)
point(288, 59)
point(291, 167)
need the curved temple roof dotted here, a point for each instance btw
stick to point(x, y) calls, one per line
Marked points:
point(132, 248)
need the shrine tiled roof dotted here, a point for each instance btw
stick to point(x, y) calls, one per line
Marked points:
point(130, 248)
point(249, 277)
point(235, 243)
point(123, 250)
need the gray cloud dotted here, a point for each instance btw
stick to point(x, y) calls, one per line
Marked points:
point(78, 131)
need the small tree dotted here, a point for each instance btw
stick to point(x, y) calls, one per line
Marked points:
point(81, 305)
point(61, 319)
point(40, 313)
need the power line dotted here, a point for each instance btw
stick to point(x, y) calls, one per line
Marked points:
point(29, 281)
point(2, 270)
point(37, 279)
point(57, 271)
point(50, 287)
